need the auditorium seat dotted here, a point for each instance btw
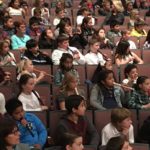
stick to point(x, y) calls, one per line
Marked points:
point(17, 55)
point(140, 146)
point(7, 91)
point(146, 56)
point(45, 94)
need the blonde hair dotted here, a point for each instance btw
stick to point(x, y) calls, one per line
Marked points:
point(119, 114)
point(133, 13)
point(66, 81)
point(22, 64)
point(118, 5)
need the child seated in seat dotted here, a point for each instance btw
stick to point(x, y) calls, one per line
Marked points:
point(30, 126)
point(28, 96)
point(121, 124)
point(76, 122)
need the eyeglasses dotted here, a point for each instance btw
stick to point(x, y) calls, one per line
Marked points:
point(15, 131)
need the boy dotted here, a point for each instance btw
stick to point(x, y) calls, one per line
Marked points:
point(9, 26)
point(76, 122)
point(120, 124)
point(33, 53)
point(31, 128)
point(63, 47)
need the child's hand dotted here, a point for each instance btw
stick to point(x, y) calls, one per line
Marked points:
point(44, 107)
point(24, 122)
point(10, 59)
point(147, 106)
point(37, 146)
point(42, 74)
point(76, 55)
point(125, 131)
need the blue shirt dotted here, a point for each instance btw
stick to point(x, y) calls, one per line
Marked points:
point(18, 42)
point(37, 128)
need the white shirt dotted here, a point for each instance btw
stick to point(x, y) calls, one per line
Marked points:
point(94, 59)
point(80, 20)
point(2, 104)
point(57, 54)
point(15, 12)
point(132, 44)
point(30, 102)
point(110, 131)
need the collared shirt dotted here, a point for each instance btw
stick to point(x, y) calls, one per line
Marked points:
point(110, 131)
point(138, 99)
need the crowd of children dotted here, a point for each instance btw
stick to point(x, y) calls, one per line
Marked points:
point(63, 41)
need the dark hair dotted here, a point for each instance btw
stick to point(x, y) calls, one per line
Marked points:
point(128, 68)
point(12, 2)
point(114, 23)
point(121, 49)
point(44, 33)
point(73, 101)
point(12, 104)
point(116, 143)
point(17, 24)
point(31, 44)
point(93, 41)
point(62, 38)
point(140, 80)
point(23, 80)
point(63, 22)
point(7, 125)
point(80, 12)
point(148, 37)
point(58, 10)
point(69, 138)
point(34, 20)
point(103, 75)
point(2, 74)
point(6, 19)
point(36, 11)
point(85, 22)
point(64, 57)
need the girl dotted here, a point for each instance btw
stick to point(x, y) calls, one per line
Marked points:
point(75, 39)
point(30, 99)
point(121, 124)
point(69, 87)
point(6, 57)
point(72, 142)
point(124, 56)
point(104, 42)
point(9, 136)
point(139, 98)
point(14, 8)
point(104, 94)
point(19, 39)
point(147, 41)
point(66, 65)
point(47, 40)
point(131, 75)
point(118, 143)
point(26, 67)
point(94, 57)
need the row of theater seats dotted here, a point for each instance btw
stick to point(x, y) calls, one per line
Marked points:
point(99, 119)
point(85, 71)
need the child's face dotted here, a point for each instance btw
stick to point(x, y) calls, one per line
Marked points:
point(101, 33)
point(18, 113)
point(61, 14)
point(13, 138)
point(34, 49)
point(9, 23)
point(126, 146)
point(68, 28)
point(22, 28)
point(29, 86)
point(117, 27)
point(68, 64)
point(108, 65)
point(90, 24)
point(16, 4)
point(95, 47)
point(126, 123)
point(133, 74)
point(64, 44)
point(109, 80)
point(77, 144)
point(49, 34)
point(29, 66)
point(80, 111)
point(5, 48)
point(145, 86)
point(35, 26)
point(73, 84)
